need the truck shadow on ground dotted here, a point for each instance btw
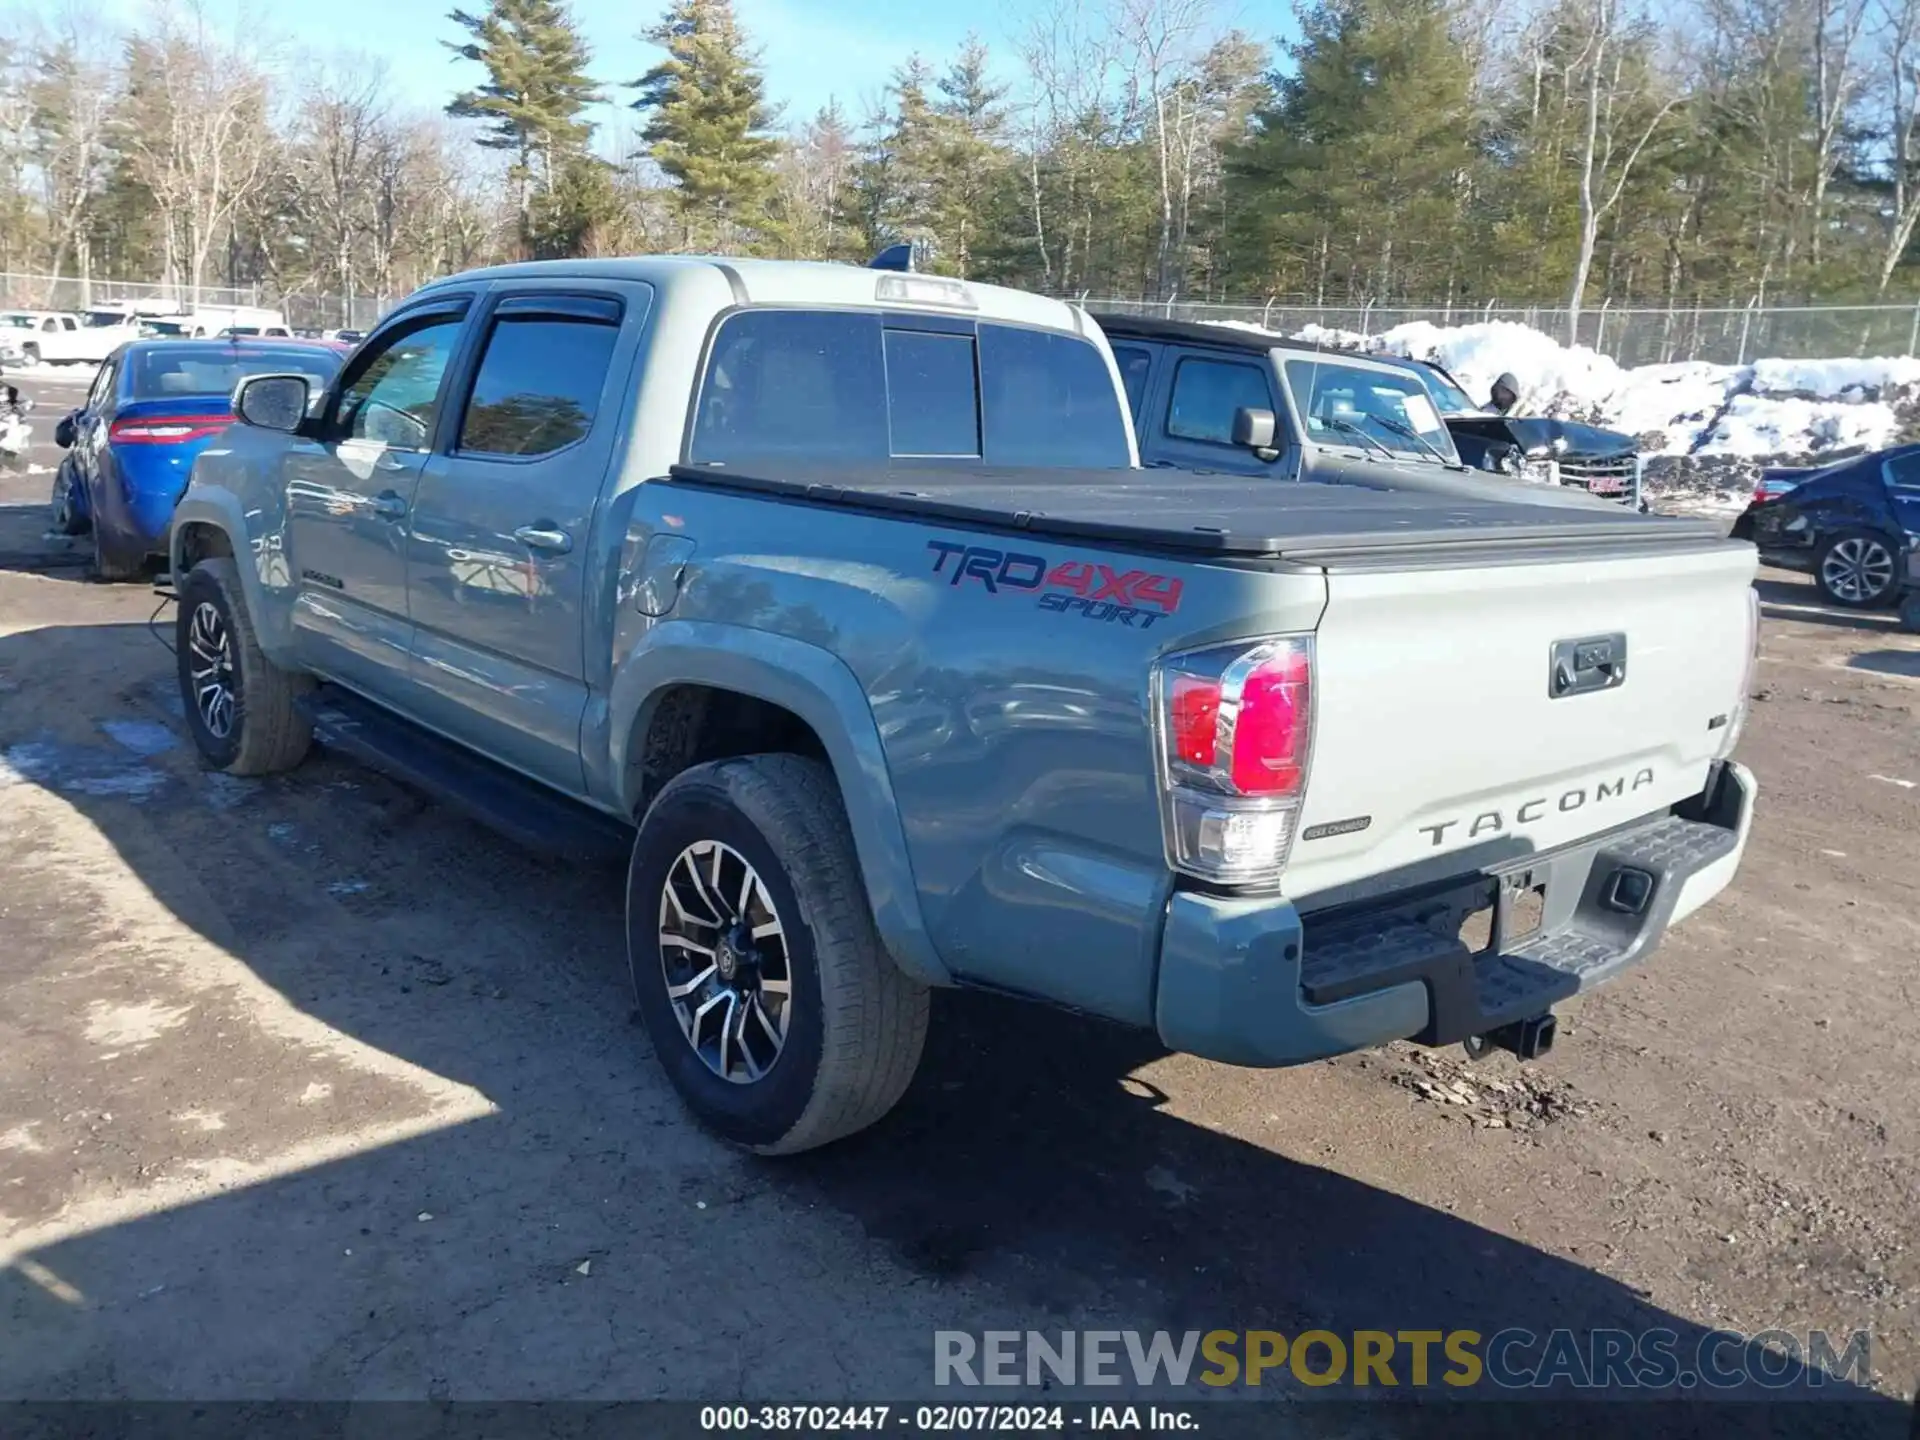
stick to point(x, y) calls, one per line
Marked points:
point(1011, 1188)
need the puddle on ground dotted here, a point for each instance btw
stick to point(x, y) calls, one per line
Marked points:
point(145, 738)
point(78, 770)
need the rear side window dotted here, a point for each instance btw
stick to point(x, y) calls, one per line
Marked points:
point(1903, 471)
point(808, 386)
point(539, 382)
point(1207, 392)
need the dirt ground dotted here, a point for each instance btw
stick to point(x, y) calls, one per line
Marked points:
point(308, 1089)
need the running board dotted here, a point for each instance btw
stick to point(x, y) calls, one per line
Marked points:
point(521, 810)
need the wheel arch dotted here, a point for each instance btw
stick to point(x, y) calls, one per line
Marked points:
point(211, 521)
point(787, 695)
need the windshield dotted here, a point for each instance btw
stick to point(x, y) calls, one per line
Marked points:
point(106, 317)
point(1350, 404)
point(1452, 399)
point(182, 369)
point(18, 321)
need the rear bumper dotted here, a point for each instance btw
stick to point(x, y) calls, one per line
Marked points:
point(1254, 982)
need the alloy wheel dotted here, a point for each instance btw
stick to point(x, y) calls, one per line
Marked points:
point(210, 664)
point(1858, 569)
point(724, 956)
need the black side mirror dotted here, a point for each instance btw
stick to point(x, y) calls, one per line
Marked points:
point(273, 402)
point(1254, 430)
point(65, 432)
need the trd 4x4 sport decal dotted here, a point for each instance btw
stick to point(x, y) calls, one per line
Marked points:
point(1135, 598)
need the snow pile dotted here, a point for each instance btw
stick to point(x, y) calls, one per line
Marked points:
point(1707, 429)
point(1769, 410)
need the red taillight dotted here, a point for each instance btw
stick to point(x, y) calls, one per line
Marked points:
point(1196, 719)
point(166, 429)
point(1270, 734)
point(1237, 731)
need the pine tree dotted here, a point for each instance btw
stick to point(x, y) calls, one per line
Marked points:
point(970, 157)
point(708, 121)
point(1356, 179)
point(536, 92)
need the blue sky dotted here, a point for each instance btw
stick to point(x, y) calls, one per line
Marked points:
point(813, 50)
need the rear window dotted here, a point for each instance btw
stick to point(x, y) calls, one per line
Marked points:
point(828, 386)
point(177, 369)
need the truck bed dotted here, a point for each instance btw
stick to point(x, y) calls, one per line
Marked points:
point(1199, 514)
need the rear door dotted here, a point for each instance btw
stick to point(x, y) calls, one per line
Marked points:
point(349, 494)
point(498, 556)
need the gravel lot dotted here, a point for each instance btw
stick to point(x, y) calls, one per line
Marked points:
point(309, 1090)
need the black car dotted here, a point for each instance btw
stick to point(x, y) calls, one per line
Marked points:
point(1853, 525)
point(1601, 462)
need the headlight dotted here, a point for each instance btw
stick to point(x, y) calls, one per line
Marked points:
point(1541, 466)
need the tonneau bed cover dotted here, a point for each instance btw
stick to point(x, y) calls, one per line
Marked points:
point(1201, 513)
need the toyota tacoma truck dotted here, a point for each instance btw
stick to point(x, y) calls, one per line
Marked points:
point(838, 601)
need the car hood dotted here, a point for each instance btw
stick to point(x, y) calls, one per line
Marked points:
point(1536, 432)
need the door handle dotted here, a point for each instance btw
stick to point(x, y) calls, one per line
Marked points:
point(389, 506)
point(544, 537)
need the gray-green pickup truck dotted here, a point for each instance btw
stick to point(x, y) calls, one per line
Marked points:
point(837, 598)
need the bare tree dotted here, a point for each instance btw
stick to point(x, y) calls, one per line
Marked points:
point(1897, 45)
point(1164, 38)
point(1620, 120)
point(343, 143)
point(199, 137)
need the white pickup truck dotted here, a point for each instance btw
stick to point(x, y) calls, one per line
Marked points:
point(56, 337)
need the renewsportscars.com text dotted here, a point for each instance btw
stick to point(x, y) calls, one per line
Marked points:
point(1510, 1359)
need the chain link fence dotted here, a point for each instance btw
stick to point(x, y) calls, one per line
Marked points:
point(303, 311)
point(1631, 335)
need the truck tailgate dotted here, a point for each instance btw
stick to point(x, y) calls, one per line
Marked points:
point(1440, 742)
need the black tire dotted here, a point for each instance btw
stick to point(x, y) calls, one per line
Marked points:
point(67, 520)
point(854, 1024)
point(259, 732)
point(30, 353)
point(1857, 569)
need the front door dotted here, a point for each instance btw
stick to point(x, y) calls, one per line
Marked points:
point(349, 495)
point(498, 562)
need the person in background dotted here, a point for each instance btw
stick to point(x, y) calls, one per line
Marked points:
point(1506, 393)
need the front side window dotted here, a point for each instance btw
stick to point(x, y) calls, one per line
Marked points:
point(394, 394)
point(538, 385)
point(1206, 393)
point(1353, 405)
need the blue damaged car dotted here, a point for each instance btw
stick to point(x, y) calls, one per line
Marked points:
point(152, 408)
